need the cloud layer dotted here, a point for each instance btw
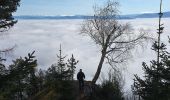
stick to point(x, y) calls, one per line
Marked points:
point(45, 36)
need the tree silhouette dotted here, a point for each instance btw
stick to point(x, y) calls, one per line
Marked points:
point(72, 65)
point(156, 82)
point(59, 70)
point(14, 84)
point(61, 64)
point(116, 40)
point(7, 7)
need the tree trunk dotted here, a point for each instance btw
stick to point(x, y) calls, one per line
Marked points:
point(101, 60)
point(20, 90)
point(99, 67)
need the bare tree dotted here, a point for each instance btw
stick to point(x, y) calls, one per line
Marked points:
point(115, 39)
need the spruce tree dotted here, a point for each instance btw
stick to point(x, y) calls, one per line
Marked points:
point(156, 82)
point(58, 71)
point(52, 73)
point(7, 7)
point(72, 62)
point(61, 65)
point(3, 72)
point(19, 71)
point(2, 67)
point(41, 79)
point(58, 78)
point(32, 83)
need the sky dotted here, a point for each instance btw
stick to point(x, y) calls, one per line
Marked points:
point(85, 7)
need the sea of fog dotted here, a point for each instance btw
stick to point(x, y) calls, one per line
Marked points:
point(45, 37)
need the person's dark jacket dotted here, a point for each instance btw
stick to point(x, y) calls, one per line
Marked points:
point(80, 76)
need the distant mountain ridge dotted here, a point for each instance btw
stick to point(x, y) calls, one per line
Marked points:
point(153, 15)
point(130, 16)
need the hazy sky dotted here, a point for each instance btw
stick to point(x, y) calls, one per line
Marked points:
point(77, 7)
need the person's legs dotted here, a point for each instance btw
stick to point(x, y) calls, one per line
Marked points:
point(79, 85)
point(82, 84)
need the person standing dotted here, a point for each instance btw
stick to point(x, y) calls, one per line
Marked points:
point(80, 78)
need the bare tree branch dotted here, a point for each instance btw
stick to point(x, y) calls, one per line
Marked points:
point(116, 40)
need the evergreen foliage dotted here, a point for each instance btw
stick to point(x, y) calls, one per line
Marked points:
point(58, 78)
point(41, 79)
point(15, 81)
point(72, 62)
point(59, 71)
point(7, 7)
point(21, 81)
point(61, 64)
point(156, 82)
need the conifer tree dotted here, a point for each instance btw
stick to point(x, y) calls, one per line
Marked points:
point(58, 71)
point(72, 62)
point(58, 78)
point(52, 73)
point(2, 66)
point(3, 72)
point(32, 83)
point(156, 82)
point(61, 65)
point(18, 72)
point(41, 79)
point(7, 7)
